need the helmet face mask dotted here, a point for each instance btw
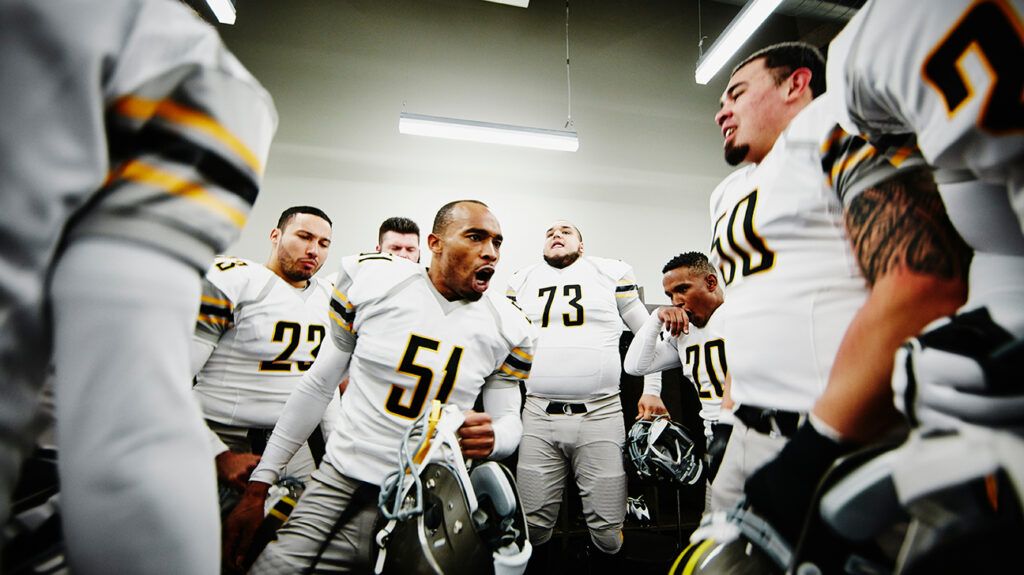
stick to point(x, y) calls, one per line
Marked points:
point(443, 518)
point(662, 449)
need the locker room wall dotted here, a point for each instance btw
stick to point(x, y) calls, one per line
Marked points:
point(341, 71)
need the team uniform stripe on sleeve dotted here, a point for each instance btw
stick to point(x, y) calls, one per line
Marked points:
point(220, 302)
point(347, 326)
point(344, 313)
point(172, 146)
point(143, 173)
point(213, 320)
point(142, 108)
point(522, 354)
point(518, 364)
point(625, 288)
point(212, 310)
point(516, 374)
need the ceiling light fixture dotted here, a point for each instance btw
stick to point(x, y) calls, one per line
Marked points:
point(753, 14)
point(224, 10)
point(458, 129)
point(520, 3)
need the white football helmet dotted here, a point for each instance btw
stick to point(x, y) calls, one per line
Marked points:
point(443, 519)
point(662, 449)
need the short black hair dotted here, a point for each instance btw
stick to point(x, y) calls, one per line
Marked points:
point(693, 260)
point(444, 216)
point(287, 215)
point(399, 225)
point(785, 58)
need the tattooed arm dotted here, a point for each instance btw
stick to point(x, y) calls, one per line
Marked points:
point(916, 266)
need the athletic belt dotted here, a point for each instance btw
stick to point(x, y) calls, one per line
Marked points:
point(769, 421)
point(258, 438)
point(577, 407)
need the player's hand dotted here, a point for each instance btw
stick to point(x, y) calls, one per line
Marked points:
point(476, 436)
point(242, 524)
point(649, 406)
point(675, 320)
point(783, 490)
point(234, 469)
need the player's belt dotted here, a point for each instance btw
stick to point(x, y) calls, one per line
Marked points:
point(560, 408)
point(578, 407)
point(769, 421)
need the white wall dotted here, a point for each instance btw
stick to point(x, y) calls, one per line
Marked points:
point(341, 71)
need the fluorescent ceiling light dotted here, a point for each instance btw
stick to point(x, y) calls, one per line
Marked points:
point(224, 10)
point(520, 3)
point(753, 14)
point(437, 127)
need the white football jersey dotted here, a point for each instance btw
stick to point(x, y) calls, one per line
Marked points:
point(410, 346)
point(792, 284)
point(948, 71)
point(577, 311)
point(701, 354)
point(266, 335)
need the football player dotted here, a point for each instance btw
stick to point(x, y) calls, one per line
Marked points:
point(779, 243)
point(572, 420)
point(133, 145)
point(401, 237)
point(407, 335)
point(947, 89)
point(259, 329)
point(693, 342)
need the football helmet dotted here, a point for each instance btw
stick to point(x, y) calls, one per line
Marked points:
point(662, 449)
point(443, 518)
point(737, 542)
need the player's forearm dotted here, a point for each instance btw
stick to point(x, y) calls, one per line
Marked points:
point(858, 400)
point(502, 403)
point(302, 412)
point(648, 353)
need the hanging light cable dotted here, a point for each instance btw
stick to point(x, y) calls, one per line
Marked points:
point(489, 132)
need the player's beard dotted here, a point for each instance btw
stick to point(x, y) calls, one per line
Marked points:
point(734, 155)
point(562, 262)
point(294, 272)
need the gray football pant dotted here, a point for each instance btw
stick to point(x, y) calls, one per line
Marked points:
point(745, 453)
point(590, 444)
point(299, 540)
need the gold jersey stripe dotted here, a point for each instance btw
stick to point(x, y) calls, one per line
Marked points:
point(342, 297)
point(864, 153)
point(341, 323)
point(522, 354)
point(143, 108)
point(215, 301)
point(630, 293)
point(213, 319)
point(143, 173)
point(517, 374)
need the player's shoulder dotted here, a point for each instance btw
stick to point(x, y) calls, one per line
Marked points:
point(322, 285)
point(512, 323)
point(522, 275)
point(233, 275)
point(375, 269)
point(614, 269)
point(815, 122)
point(736, 180)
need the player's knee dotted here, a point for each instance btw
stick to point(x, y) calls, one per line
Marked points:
point(608, 540)
point(539, 534)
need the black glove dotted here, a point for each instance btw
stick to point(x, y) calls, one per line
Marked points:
point(720, 433)
point(782, 491)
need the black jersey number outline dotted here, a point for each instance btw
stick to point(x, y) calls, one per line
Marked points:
point(992, 31)
point(424, 376)
point(283, 363)
point(572, 291)
point(711, 349)
point(750, 249)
